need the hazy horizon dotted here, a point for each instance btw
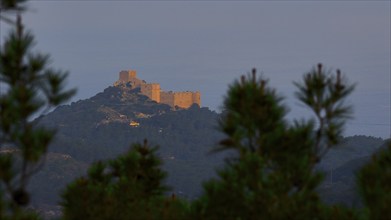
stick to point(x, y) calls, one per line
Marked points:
point(205, 46)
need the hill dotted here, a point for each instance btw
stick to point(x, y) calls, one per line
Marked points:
point(105, 125)
point(341, 166)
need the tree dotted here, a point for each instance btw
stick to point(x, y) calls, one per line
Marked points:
point(29, 87)
point(272, 175)
point(374, 184)
point(128, 187)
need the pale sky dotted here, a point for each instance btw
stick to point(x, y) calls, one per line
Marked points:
point(205, 45)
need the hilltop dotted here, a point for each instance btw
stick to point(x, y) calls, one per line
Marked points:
point(105, 125)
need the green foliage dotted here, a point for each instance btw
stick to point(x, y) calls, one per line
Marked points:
point(374, 183)
point(325, 95)
point(253, 115)
point(128, 187)
point(28, 88)
point(273, 175)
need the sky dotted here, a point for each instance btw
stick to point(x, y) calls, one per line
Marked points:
point(206, 45)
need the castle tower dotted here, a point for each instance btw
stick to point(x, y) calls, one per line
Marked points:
point(152, 90)
point(196, 96)
point(127, 75)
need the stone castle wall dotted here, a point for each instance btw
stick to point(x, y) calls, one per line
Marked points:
point(167, 98)
point(153, 91)
point(180, 99)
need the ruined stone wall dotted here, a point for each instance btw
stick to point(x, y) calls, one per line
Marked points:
point(135, 82)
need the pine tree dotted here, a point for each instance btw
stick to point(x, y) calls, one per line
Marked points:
point(29, 87)
point(272, 175)
point(128, 187)
point(374, 184)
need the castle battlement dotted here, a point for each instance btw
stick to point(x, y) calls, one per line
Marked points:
point(152, 90)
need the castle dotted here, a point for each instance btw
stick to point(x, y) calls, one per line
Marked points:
point(153, 91)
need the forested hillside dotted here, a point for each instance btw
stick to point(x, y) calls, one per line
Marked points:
point(99, 128)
